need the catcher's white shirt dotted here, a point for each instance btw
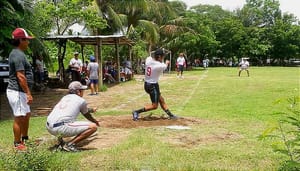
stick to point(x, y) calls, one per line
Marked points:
point(67, 109)
point(153, 70)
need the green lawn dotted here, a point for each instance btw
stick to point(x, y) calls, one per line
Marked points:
point(235, 111)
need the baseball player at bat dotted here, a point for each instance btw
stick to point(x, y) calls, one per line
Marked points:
point(154, 68)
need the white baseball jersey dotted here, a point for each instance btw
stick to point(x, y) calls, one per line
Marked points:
point(67, 109)
point(153, 70)
point(180, 60)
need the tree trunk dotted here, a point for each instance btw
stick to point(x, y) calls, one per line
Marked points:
point(61, 55)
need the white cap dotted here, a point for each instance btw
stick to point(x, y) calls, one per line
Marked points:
point(76, 85)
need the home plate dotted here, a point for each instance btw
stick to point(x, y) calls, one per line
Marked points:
point(179, 127)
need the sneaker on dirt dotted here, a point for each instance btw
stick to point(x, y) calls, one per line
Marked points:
point(173, 117)
point(135, 116)
point(70, 148)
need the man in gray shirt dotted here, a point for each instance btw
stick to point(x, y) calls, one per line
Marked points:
point(61, 122)
point(93, 72)
point(18, 90)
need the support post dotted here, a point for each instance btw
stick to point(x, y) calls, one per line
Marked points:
point(98, 53)
point(118, 58)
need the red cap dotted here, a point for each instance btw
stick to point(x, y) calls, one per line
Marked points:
point(20, 33)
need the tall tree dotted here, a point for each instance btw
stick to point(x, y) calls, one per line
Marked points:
point(138, 14)
point(108, 13)
point(11, 13)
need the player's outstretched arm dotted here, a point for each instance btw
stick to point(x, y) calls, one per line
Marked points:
point(89, 117)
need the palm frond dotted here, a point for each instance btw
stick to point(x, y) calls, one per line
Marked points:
point(150, 31)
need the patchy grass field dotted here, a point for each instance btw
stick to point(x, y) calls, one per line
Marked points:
point(225, 114)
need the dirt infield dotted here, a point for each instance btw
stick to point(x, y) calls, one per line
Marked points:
point(115, 129)
point(146, 121)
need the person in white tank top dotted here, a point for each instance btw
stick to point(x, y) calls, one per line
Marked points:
point(181, 64)
point(154, 68)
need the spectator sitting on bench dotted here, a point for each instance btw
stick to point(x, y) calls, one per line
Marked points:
point(126, 72)
point(107, 75)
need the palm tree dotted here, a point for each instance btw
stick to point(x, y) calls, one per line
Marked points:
point(107, 12)
point(10, 16)
point(144, 17)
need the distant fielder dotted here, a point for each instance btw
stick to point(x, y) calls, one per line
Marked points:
point(181, 64)
point(154, 67)
point(244, 65)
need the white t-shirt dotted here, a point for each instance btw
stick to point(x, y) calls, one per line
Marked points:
point(244, 64)
point(76, 64)
point(180, 60)
point(153, 70)
point(67, 109)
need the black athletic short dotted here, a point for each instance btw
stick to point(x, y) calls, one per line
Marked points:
point(153, 90)
point(180, 68)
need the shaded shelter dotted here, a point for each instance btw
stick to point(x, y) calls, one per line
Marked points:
point(98, 41)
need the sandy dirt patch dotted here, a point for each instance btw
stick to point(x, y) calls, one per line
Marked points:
point(115, 129)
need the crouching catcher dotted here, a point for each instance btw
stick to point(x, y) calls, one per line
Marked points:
point(61, 122)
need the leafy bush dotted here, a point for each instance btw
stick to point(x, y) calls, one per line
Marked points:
point(287, 131)
point(103, 88)
point(34, 158)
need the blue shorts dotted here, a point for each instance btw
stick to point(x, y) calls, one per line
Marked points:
point(94, 81)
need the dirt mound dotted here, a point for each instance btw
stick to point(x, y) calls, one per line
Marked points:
point(147, 121)
point(115, 129)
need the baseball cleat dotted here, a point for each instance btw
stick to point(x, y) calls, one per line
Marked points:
point(135, 116)
point(173, 117)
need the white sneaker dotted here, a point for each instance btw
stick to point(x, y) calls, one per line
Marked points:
point(70, 148)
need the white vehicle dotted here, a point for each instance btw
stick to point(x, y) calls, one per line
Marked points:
point(4, 74)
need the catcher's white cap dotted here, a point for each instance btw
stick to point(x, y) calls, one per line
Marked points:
point(76, 85)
